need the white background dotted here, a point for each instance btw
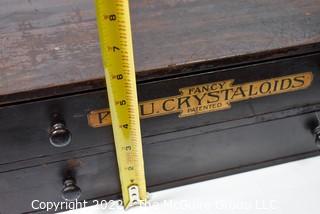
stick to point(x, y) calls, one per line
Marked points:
point(292, 188)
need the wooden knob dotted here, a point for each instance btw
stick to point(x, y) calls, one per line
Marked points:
point(59, 136)
point(70, 191)
point(317, 135)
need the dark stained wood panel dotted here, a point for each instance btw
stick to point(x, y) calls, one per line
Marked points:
point(49, 44)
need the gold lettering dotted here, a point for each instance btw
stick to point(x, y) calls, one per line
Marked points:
point(210, 97)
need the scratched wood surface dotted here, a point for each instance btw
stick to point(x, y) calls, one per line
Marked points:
point(49, 44)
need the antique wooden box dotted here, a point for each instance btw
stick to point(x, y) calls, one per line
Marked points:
point(224, 87)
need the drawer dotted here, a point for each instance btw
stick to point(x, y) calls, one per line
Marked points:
point(174, 160)
point(25, 127)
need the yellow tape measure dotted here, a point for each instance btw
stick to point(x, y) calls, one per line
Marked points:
point(114, 27)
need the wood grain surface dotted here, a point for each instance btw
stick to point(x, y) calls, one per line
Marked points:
point(50, 44)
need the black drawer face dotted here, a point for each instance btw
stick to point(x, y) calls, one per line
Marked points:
point(170, 161)
point(25, 127)
point(96, 176)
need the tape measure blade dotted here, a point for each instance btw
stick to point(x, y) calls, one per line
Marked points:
point(114, 27)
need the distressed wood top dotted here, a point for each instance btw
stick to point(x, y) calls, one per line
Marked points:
point(54, 44)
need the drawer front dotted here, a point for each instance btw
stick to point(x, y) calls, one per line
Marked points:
point(179, 159)
point(25, 127)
